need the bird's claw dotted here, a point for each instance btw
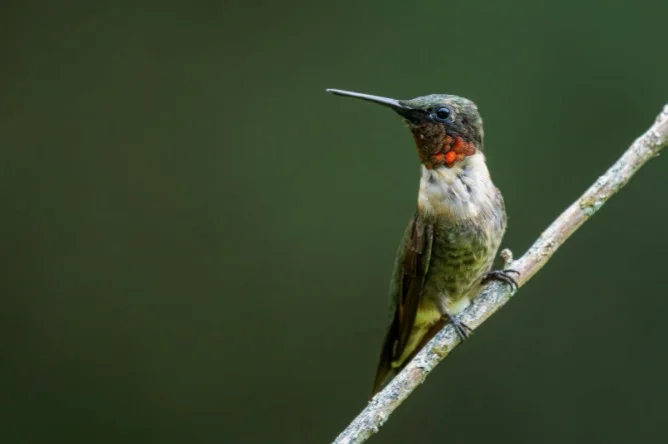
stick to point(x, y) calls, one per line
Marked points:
point(462, 330)
point(503, 276)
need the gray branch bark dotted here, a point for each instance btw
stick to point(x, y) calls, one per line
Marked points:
point(495, 295)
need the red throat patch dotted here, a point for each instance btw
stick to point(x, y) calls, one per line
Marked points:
point(436, 147)
point(452, 151)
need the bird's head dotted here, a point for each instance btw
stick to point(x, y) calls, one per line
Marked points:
point(447, 129)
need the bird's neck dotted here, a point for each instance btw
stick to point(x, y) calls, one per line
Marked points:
point(463, 191)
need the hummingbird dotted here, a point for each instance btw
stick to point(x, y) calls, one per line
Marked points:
point(452, 239)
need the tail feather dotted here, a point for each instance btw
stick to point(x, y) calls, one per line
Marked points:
point(386, 372)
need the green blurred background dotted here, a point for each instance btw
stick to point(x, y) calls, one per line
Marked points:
point(196, 239)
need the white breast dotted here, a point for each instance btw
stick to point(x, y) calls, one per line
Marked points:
point(460, 192)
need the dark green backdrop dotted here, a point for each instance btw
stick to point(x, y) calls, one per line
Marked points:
point(196, 240)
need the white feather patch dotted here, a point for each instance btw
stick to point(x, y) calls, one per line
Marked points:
point(460, 192)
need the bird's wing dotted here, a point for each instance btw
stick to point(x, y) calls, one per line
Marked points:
point(410, 270)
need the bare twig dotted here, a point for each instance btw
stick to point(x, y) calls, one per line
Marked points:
point(495, 295)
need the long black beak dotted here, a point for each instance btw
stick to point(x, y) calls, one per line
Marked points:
point(397, 105)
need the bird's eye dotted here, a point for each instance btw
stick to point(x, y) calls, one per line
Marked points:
point(442, 113)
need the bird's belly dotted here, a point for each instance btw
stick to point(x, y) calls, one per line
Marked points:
point(456, 270)
point(460, 257)
point(427, 315)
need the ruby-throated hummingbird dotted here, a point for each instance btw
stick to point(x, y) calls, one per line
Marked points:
point(451, 241)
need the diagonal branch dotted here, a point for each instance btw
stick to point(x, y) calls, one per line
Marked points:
point(495, 295)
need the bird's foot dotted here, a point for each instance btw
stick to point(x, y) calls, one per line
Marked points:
point(463, 330)
point(503, 276)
